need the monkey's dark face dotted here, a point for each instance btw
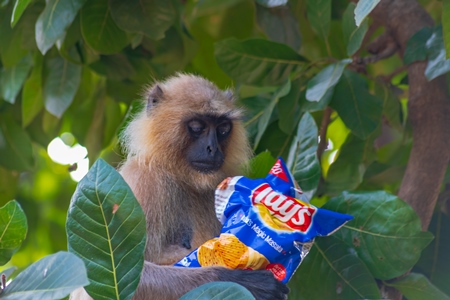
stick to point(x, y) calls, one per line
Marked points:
point(208, 138)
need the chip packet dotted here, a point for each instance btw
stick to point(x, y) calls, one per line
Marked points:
point(265, 225)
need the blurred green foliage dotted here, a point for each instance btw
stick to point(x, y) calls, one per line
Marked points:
point(79, 66)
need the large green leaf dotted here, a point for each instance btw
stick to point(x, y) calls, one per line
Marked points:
point(257, 61)
point(106, 228)
point(437, 62)
point(332, 271)
point(359, 109)
point(13, 230)
point(54, 20)
point(99, 29)
point(263, 122)
point(279, 24)
point(347, 172)
point(32, 97)
point(319, 16)
point(322, 85)
point(16, 152)
point(416, 47)
point(417, 287)
point(149, 17)
point(353, 35)
point(60, 84)
point(18, 10)
point(13, 78)
point(386, 232)
point(52, 277)
point(363, 9)
point(303, 161)
point(219, 291)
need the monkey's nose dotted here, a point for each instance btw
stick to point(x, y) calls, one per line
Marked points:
point(211, 149)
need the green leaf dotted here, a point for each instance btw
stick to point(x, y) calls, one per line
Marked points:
point(106, 228)
point(417, 287)
point(263, 122)
point(353, 35)
point(332, 270)
point(289, 108)
point(391, 105)
point(19, 8)
point(208, 7)
point(445, 19)
point(99, 29)
point(32, 97)
point(363, 9)
point(13, 230)
point(219, 291)
point(52, 277)
point(54, 20)
point(416, 47)
point(272, 3)
point(319, 16)
point(16, 152)
point(279, 24)
point(149, 17)
point(60, 84)
point(275, 141)
point(323, 83)
point(434, 262)
point(8, 184)
point(114, 67)
point(302, 160)
point(8, 272)
point(260, 165)
point(382, 222)
point(11, 49)
point(347, 172)
point(359, 109)
point(13, 78)
point(437, 62)
point(257, 61)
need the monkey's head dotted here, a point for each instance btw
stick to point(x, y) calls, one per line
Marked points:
point(191, 129)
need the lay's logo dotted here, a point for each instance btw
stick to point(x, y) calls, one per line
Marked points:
point(289, 211)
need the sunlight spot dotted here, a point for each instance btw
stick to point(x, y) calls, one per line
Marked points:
point(63, 154)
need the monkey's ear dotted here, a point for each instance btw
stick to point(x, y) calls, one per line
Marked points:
point(154, 97)
point(229, 94)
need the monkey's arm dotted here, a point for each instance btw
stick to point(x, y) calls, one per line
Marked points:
point(167, 282)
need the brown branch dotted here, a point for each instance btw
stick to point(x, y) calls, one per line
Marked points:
point(323, 144)
point(428, 114)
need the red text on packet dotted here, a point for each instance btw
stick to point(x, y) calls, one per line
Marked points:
point(286, 209)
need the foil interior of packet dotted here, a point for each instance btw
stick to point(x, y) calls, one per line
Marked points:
point(267, 224)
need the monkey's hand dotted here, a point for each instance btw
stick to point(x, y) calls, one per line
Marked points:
point(261, 283)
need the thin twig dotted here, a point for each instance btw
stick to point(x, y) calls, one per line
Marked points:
point(323, 144)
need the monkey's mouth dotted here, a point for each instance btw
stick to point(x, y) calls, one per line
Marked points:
point(206, 167)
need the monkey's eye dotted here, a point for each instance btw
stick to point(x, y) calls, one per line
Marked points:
point(196, 127)
point(224, 128)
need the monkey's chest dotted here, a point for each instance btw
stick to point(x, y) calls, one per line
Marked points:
point(186, 238)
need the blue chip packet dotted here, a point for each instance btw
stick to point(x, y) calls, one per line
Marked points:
point(265, 225)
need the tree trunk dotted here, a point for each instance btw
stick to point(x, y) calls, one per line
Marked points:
point(428, 113)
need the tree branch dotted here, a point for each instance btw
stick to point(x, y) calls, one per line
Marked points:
point(428, 114)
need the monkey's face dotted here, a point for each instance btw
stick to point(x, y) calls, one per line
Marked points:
point(208, 140)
